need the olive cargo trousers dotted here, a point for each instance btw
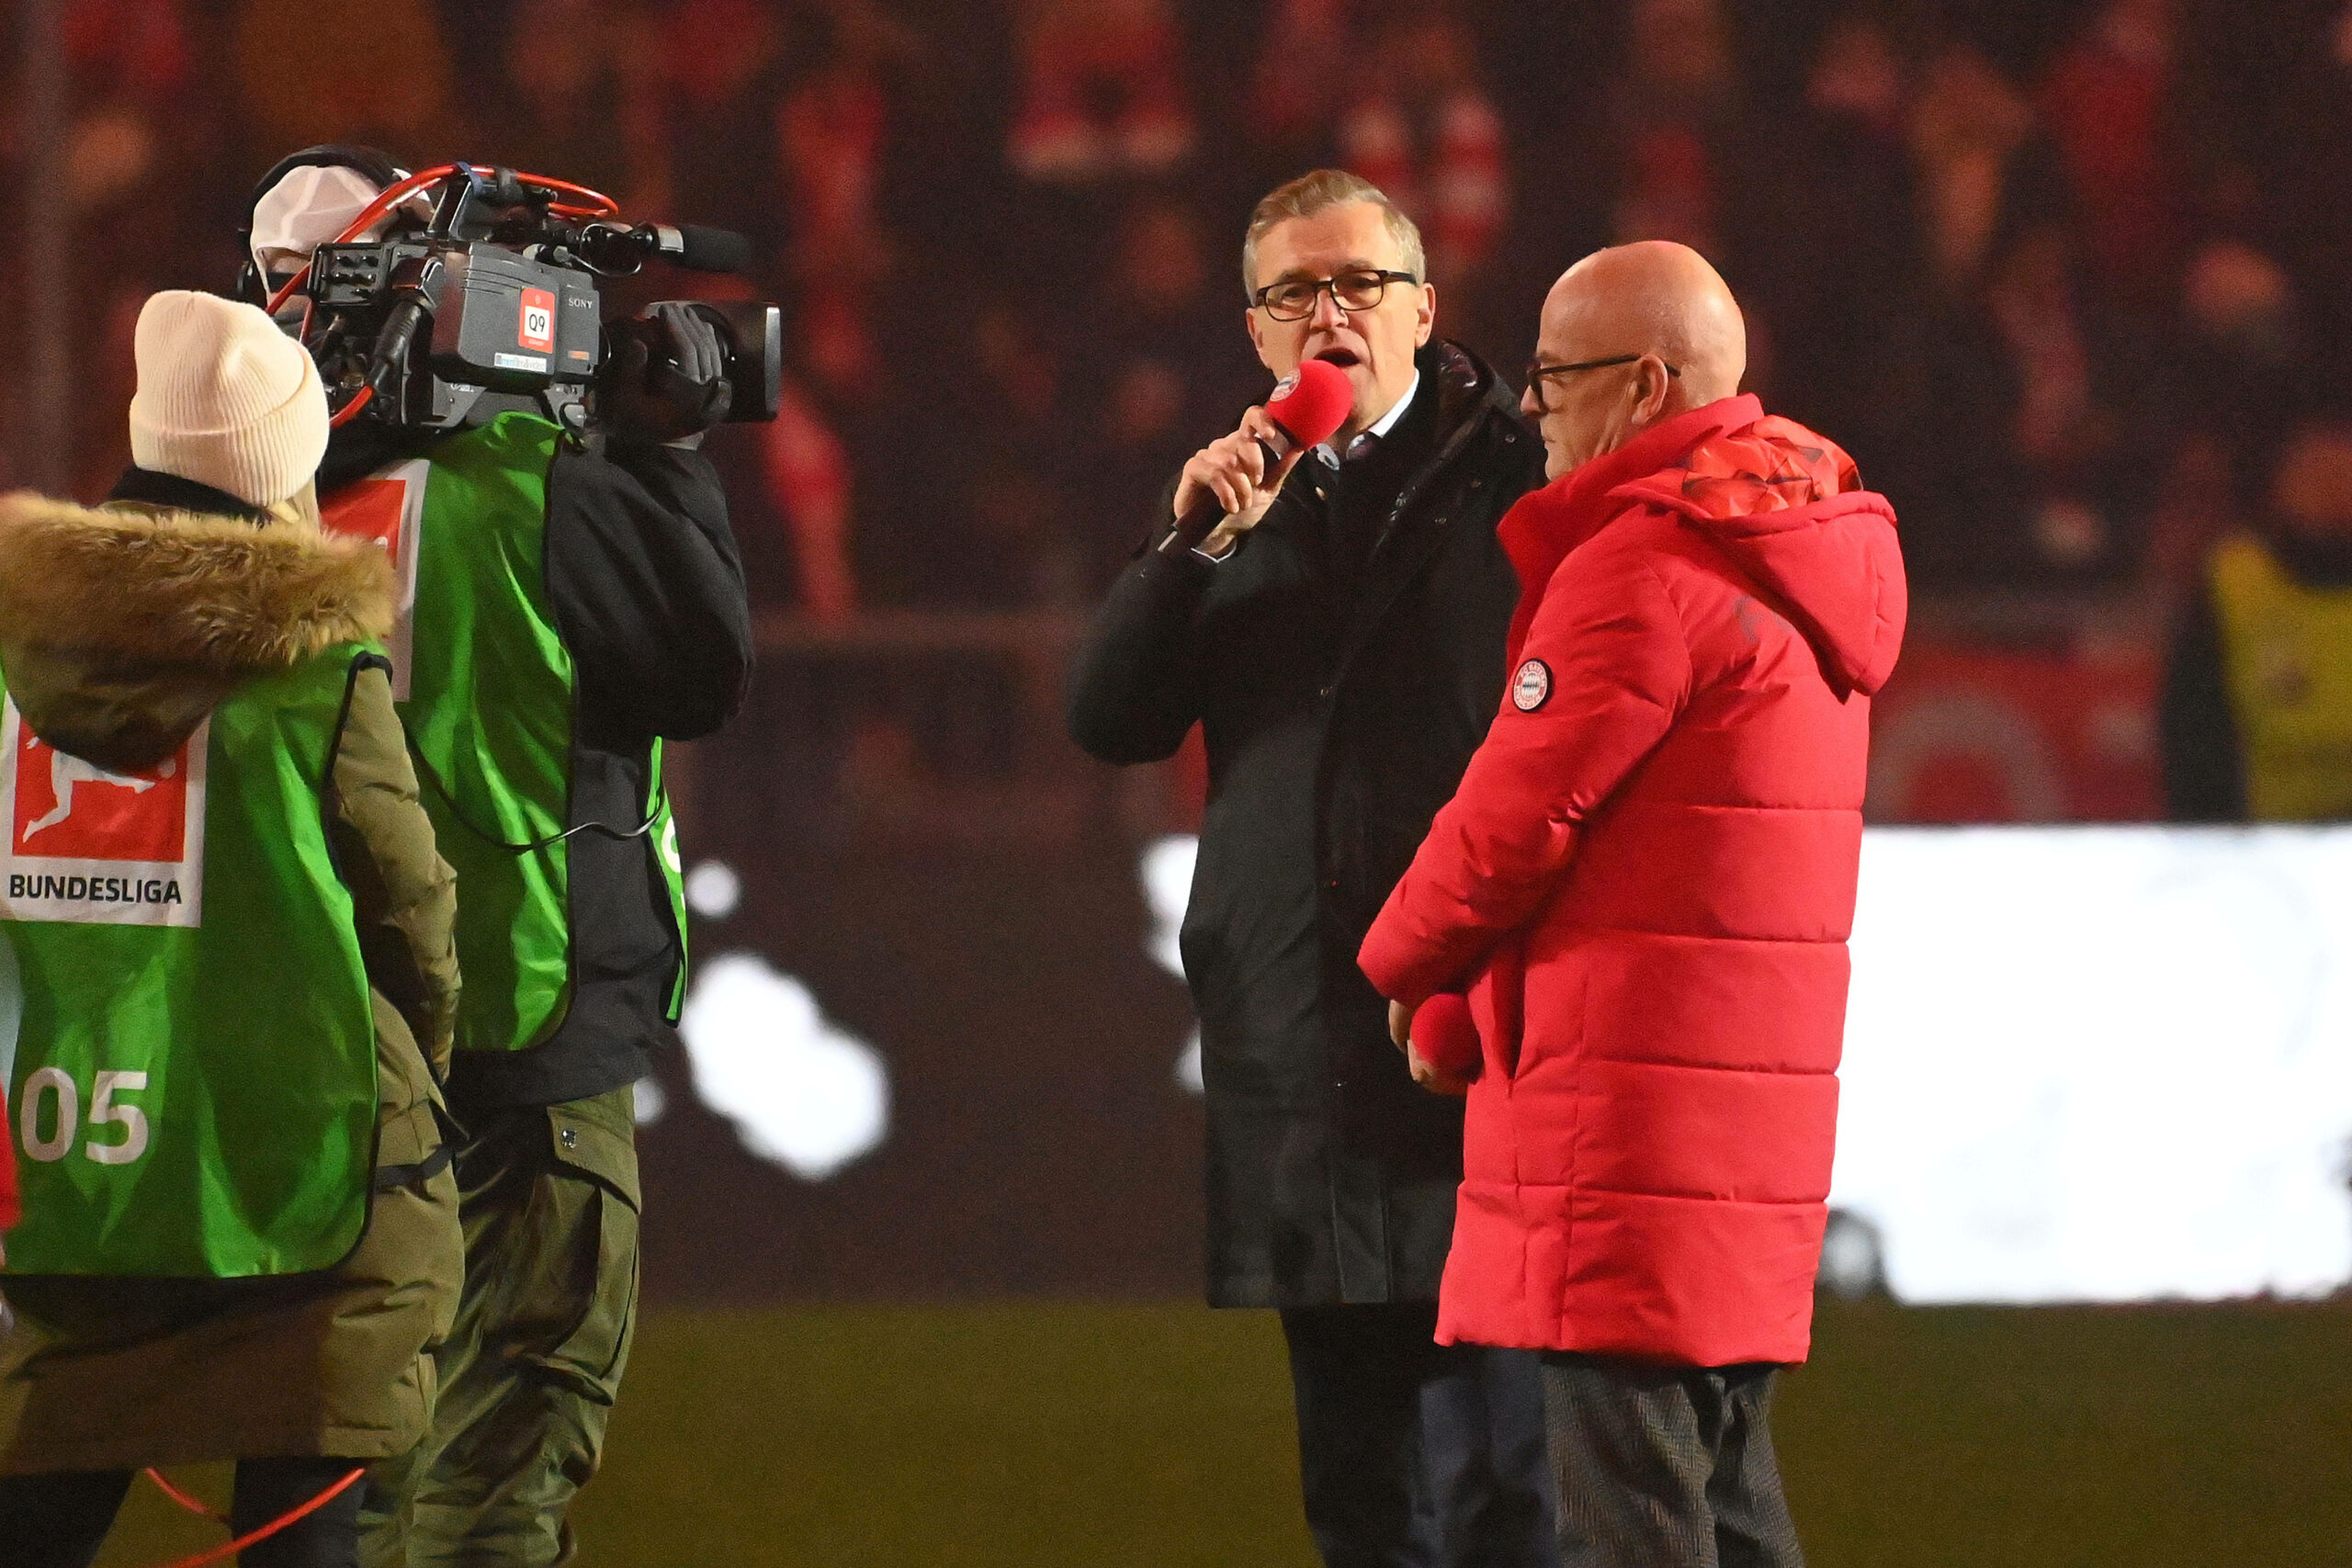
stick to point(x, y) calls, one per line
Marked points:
point(549, 1198)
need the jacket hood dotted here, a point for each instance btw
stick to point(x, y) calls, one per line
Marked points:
point(1783, 504)
point(122, 629)
point(1789, 508)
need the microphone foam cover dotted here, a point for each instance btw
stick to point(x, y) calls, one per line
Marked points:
point(714, 249)
point(1313, 404)
point(1446, 1035)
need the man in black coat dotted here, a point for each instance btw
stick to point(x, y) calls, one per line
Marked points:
point(1340, 638)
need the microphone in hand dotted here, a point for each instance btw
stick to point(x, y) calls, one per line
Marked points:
point(1305, 410)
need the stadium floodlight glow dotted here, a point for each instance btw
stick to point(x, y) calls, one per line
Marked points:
point(802, 1092)
point(713, 889)
point(2082, 1064)
point(1167, 890)
point(2101, 1064)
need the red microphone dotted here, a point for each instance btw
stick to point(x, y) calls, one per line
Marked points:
point(1308, 409)
point(1447, 1036)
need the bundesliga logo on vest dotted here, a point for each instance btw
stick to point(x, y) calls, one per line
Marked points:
point(389, 509)
point(92, 847)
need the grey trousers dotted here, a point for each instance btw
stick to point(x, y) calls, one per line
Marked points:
point(1665, 1467)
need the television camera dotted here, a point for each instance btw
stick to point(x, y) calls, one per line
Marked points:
point(493, 304)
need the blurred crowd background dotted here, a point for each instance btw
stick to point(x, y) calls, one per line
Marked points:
point(2059, 274)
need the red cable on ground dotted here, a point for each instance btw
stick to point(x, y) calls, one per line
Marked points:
point(196, 1506)
point(222, 1554)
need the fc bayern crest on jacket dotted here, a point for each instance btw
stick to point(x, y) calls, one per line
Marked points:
point(1531, 687)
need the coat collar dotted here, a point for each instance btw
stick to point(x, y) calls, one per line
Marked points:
point(1470, 397)
point(1547, 524)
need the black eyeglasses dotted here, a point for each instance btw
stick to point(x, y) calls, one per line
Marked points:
point(1293, 301)
point(1537, 372)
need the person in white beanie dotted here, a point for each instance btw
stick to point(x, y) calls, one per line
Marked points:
point(227, 401)
point(235, 936)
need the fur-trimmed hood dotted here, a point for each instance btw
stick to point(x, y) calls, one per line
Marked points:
point(179, 588)
point(120, 627)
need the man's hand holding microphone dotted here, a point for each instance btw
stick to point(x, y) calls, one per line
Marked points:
point(1229, 484)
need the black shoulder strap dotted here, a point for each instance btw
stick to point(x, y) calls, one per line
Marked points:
point(393, 1178)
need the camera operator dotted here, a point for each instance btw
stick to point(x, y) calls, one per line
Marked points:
point(575, 605)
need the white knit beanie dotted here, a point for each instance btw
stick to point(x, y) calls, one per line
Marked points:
point(225, 398)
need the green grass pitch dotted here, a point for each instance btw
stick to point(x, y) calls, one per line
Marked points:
point(1041, 1435)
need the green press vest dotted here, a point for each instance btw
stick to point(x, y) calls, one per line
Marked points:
point(486, 688)
point(2287, 655)
point(192, 1081)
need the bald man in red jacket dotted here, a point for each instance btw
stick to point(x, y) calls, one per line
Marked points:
point(1640, 896)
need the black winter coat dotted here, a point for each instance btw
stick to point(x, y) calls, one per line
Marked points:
point(1338, 721)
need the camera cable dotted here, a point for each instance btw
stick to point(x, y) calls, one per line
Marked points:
point(284, 1521)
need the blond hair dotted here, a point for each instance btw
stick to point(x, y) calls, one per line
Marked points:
point(1310, 194)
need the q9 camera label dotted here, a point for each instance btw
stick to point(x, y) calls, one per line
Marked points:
point(537, 328)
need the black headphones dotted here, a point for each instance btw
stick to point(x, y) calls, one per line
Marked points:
point(371, 162)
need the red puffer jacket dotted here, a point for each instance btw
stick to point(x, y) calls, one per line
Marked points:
point(1647, 878)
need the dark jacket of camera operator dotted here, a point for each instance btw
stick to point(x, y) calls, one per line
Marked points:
point(569, 607)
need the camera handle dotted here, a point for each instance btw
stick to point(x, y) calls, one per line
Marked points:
point(567, 405)
point(415, 285)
